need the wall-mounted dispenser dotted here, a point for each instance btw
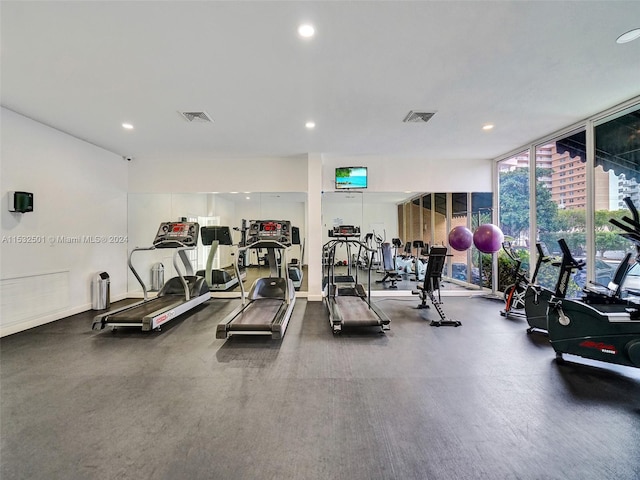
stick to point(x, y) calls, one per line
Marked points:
point(20, 202)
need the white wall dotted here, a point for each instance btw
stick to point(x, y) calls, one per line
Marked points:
point(79, 190)
point(416, 175)
point(162, 175)
point(145, 214)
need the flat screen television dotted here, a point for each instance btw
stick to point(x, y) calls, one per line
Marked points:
point(348, 178)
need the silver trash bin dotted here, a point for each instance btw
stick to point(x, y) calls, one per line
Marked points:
point(101, 291)
point(157, 276)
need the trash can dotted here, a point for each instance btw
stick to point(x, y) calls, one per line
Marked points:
point(157, 276)
point(100, 291)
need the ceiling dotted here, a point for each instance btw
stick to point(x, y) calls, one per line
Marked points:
point(529, 68)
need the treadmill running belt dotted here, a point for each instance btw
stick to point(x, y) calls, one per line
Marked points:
point(137, 313)
point(355, 311)
point(259, 315)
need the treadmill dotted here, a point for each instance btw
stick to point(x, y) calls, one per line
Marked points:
point(348, 303)
point(223, 278)
point(271, 299)
point(178, 295)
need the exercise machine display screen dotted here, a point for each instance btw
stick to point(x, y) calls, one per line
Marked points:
point(345, 231)
point(278, 230)
point(177, 234)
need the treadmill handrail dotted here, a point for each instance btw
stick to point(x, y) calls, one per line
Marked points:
point(265, 243)
point(135, 273)
point(185, 260)
point(283, 262)
point(188, 268)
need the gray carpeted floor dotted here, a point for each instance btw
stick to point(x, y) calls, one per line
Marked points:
point(481, 401)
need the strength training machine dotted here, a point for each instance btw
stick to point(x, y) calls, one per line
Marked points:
point(432, 279)
point(389, 267)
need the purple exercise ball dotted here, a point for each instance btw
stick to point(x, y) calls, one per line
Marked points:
point(488, 238)
point(460, 238)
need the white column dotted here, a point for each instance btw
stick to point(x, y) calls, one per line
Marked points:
point(314, 227)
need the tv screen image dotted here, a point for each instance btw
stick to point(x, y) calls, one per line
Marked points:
point(351, 177)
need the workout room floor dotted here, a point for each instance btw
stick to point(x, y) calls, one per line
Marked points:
point(481, 401)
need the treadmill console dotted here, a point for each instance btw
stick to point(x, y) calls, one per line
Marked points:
point(265, 230)
point(177, 234)
point(345, 231)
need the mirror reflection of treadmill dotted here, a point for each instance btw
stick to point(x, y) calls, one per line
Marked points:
point(178, 295)
point(294, 267)
point(224, 278)
point(267, 309)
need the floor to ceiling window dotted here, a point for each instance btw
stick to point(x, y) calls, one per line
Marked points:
point(582, 179)
point(514, 211)
point(617, 161)
point(561, 199)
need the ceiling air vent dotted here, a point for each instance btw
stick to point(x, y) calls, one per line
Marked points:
point(418, 117)
point(200, 117)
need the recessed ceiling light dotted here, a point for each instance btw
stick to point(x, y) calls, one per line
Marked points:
point(127, 126)
point(306, 30)
point(629, 36)
point(488, 126)
point(310, 125)
point(248, 198)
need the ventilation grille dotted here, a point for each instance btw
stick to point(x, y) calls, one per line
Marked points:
point(418, 117)
point(199, 117)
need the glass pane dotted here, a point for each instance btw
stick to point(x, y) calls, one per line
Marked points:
point(416, 220)
point(617, 173)
point(440, 216)
point(459, 260)
point(513, 188)
point(427, 236)
point(561, 198)
point(482, 265)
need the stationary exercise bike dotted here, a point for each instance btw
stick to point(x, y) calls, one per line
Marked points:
point(595, 293)
point(514, 293)
point(604, 332)
point(537, 297)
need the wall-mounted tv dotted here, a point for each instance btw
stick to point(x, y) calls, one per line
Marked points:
point(351, 177)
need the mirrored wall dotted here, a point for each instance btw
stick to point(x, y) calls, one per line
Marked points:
point(410, 223)
point(147, 210)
